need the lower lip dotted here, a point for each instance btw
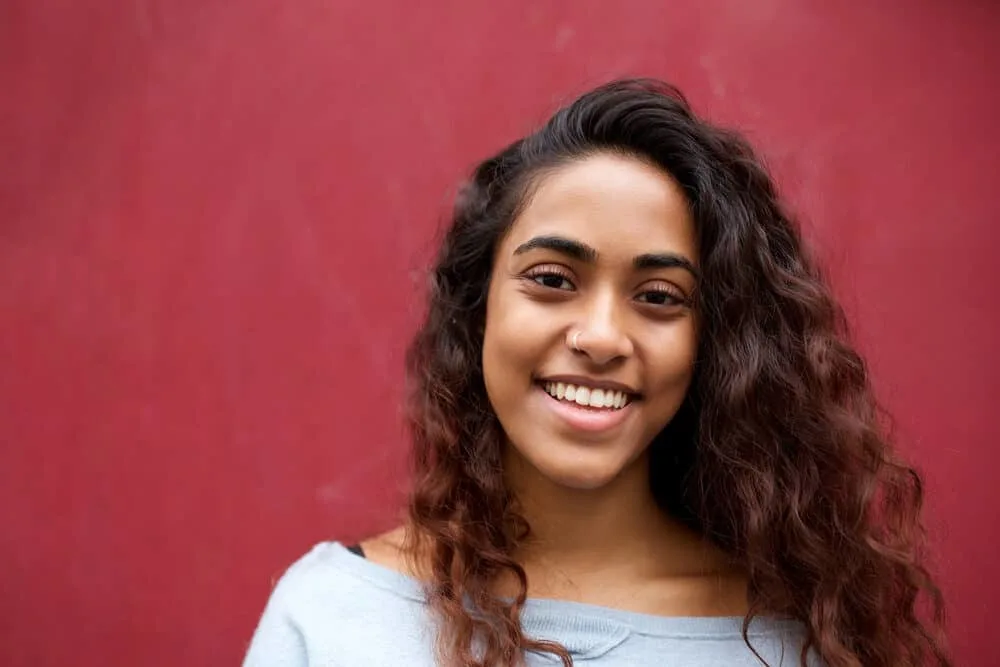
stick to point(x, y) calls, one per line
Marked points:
point(580, 418)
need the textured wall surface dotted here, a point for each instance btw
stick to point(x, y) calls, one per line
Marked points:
point(214, 216)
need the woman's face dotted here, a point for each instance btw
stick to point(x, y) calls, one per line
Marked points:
point(590, 340)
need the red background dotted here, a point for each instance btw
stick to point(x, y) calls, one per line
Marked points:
point(213, 217)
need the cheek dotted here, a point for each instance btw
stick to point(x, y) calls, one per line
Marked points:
point(514, 328)
point(671, 360)
point(517, 340)
point(502, 351)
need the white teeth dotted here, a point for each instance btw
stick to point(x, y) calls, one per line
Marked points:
point(595, 398)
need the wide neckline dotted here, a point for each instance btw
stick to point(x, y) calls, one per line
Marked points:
point(553, 613)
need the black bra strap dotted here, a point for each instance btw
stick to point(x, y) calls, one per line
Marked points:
point(356, 550)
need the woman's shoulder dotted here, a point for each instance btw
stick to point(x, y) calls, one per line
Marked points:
point(393, 550)
point(332, 571)
point(322, 565)
point(327, 603)
point(319, 577)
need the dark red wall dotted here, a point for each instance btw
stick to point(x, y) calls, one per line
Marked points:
point(213, 216)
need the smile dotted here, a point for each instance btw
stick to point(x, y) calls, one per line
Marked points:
point(587, 410)
point(583, 396)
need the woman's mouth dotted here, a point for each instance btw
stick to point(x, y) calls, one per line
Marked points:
point(587, 409)
point(583, 396)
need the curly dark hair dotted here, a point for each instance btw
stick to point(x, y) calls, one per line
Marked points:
point(779, 454)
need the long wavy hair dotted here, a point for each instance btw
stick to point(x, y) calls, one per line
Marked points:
point(779, 453)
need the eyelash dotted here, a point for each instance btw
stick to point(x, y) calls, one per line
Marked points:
point(674, 297)
point(547, 272)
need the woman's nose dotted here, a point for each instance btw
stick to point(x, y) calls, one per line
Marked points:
point(601, 334)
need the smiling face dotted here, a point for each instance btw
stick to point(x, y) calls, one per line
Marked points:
point(589, 307)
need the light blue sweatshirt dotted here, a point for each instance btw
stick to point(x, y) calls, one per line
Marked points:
point(336, 609)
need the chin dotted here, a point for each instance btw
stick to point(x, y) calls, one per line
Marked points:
point(581, 471)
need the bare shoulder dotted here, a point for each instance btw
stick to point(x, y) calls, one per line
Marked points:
point(392, 550)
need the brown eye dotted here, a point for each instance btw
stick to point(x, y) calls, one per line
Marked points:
point(660, 298)
point(552, 280)
point(551, 276)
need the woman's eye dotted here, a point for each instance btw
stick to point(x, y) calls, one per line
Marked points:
point(660, 298)
point(552, 280)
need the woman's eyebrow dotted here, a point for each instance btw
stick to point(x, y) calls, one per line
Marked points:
point(584, 253)
point(560, 244)
point(665, 260)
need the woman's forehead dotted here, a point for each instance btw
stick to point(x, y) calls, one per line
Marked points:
point(616, 205)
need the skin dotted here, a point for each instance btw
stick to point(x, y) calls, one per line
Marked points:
point(606, 247)
point(635, 324)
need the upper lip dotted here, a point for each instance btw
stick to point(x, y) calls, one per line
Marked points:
point(591, 382)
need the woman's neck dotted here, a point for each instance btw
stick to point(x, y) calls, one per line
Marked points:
point(611, 546)
point(616, 531)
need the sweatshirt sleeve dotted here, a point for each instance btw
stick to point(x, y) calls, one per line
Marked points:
point(278, 640)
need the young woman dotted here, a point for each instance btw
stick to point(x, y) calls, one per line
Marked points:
point(640, 434)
